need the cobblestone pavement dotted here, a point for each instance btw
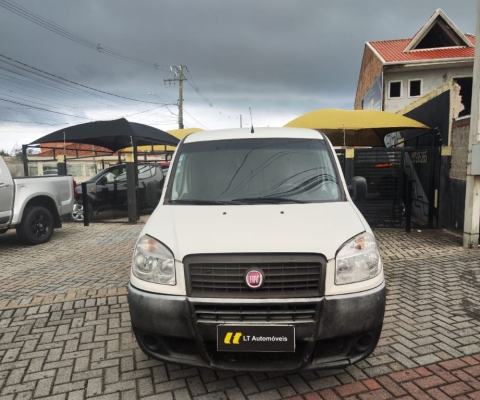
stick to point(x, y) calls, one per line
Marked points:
point(65, 328)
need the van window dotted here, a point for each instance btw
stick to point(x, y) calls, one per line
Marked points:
point(240, 169)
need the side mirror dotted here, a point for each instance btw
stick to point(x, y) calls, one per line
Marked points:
point(358, 189)
point(153, 194)
point(102, 181)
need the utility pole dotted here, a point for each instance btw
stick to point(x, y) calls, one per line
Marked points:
point(180, 78)
point(472, 196)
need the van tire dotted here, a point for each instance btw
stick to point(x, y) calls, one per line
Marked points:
point(37, 225)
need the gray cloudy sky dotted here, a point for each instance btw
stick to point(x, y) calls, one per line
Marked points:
point(282, 58)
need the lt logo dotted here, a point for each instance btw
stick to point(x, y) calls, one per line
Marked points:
point(236, 338)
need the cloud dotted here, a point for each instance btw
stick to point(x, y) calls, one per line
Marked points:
point(282, 58)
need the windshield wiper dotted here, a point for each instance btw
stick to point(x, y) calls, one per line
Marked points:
point(274, 200)
point(201, 202)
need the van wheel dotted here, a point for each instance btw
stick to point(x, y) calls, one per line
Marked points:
point(37, 225)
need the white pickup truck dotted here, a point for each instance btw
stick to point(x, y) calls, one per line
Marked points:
point(34, 205)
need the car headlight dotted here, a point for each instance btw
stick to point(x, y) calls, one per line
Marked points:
point(358, 260)
point(153, 262)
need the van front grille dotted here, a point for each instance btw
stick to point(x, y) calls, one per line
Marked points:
point(286, 313)
point(285, 275)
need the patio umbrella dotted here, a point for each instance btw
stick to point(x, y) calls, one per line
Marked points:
point(113, 135)
point(355, 127)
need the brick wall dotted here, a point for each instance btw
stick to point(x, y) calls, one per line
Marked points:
point(370, 69)
point(458, 173)
point(85, 150)
point(460, 131)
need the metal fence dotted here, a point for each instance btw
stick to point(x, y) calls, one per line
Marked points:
point(401, 184)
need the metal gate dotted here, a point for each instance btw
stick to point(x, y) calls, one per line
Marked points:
point(399, 181)
point(422, 168)
point(383, 170)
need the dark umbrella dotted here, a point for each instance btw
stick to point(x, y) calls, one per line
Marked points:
point(113, 135)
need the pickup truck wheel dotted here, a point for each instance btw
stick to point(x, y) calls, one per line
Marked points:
point(37, 225)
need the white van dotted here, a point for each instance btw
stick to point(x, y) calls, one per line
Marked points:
point(256, 257)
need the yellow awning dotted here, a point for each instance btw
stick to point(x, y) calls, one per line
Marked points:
point(361, 127)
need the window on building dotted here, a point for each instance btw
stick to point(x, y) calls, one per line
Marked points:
point(440, 35)
point(395, 89)
point(414, 88)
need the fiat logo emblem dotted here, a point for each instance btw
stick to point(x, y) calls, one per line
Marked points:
point(254, 278)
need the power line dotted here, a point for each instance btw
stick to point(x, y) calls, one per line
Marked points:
point(59, 87)
point(30, 122)
point(196, 88)
point(59, 30)
point(49, 85)
point(202, 96)
point(75, 83)
point(196, 120)
point(141, 112)
point(23, 112)
point(66, 91)
point(43, 109)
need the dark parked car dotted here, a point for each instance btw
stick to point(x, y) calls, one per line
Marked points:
point(165, 166)
point(107, 190)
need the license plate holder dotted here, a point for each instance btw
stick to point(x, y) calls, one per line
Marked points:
point(256, 338)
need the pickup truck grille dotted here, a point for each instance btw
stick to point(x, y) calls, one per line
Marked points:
point(287, 313)
point(285, 275)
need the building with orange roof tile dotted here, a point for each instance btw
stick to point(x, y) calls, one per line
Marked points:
point(396, 73)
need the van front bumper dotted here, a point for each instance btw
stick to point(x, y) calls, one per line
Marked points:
point(340, 330)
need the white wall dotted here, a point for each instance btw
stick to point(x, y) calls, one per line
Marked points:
point(431, 80)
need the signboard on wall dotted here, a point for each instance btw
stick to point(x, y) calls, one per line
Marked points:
point(373, 99)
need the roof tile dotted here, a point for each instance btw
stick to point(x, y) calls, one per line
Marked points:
point(393, 51)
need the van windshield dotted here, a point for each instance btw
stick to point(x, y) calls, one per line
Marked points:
point(252, 171)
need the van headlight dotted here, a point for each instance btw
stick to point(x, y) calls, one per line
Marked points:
point(153, 262)
point(358, 260)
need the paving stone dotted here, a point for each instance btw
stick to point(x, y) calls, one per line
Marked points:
point(246, 384)
point(456, 389)
point(75, 328)
point(183, 394)
point(171, 385)
point(267, 395)
point(145, 387)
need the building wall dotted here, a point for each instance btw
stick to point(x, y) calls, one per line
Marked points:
point(80, 170)
point(458, 173)
point(460, 135)
point(84, 150)
point(431, 79)
point(369, 71)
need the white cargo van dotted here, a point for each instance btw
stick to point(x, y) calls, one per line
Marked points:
point(256, 257)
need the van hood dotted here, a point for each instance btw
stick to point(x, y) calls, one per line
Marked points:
point(281, 228)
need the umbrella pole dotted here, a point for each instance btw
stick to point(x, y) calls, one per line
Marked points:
point(132, 175)
point(380, 137)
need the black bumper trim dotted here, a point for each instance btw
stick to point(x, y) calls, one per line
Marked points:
point(166, 319)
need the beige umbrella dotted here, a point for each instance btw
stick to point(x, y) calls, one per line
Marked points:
point(355, 127)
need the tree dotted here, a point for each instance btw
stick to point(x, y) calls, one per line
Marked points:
point(3, 153)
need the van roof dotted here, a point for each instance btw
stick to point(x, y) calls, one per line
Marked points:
point(244, 133)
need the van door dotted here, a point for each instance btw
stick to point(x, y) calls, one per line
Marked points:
point(6, 195)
